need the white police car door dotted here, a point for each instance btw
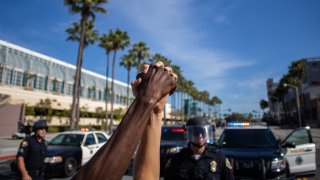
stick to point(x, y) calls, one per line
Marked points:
point(102, 139)
point(301, 158)
point(88, 148)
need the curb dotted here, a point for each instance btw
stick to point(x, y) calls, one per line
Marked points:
point(8, 153)
point(7, 157)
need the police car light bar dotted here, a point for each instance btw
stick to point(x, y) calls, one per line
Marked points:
point(238, 124)
point(177, 130)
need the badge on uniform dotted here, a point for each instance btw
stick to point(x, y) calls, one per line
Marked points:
point(228, 164)
point(24, 144)
point(213, 166)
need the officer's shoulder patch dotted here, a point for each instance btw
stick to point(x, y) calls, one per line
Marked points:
point(24, 143)
point(228, 164)
point(213, 166)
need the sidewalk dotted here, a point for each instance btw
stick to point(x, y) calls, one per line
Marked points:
point(8, 153)
point(9, 147)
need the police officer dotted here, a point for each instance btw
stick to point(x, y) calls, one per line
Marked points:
point(199, 160)
point(32, 151)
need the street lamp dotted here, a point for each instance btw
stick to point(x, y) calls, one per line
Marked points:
point(297, 97)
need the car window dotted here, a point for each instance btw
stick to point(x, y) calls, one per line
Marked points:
point(90, 140)
point(243, 138)
point(299, 137)
point(101, 138)
point(173, 134)
point(67, 139)
point(57, 140)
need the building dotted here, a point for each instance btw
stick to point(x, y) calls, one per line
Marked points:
point(310, 89)
point(309, 96)
point(28, 77)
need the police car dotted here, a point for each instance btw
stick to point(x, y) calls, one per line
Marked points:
point(69, 150)
point(173, 139)
point(255, 153)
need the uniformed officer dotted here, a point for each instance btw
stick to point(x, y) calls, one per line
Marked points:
point(32, 151)
point(199, 160)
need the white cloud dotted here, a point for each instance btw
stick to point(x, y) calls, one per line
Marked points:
point(169, 25)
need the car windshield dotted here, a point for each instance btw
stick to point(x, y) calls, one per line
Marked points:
point(67, 139)
point(173, 133)
point(247, 138)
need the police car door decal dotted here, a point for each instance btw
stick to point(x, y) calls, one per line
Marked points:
point(301, 158)
point(88, 148)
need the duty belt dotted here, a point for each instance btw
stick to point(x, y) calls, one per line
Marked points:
point(36, 172)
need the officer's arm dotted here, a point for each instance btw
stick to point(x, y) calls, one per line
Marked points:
point(22, 168)
point(112, 159)
point(171, 168)
point(22, 152)
point(227, 169)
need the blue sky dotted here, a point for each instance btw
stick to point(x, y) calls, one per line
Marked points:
point(229, 48)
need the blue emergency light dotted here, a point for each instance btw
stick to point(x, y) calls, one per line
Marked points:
point(238, 124)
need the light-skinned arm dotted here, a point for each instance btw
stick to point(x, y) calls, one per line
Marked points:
point(112, 160)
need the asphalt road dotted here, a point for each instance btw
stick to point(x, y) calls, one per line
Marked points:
point(8, 147)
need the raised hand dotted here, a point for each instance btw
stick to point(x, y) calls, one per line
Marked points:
point(112, 160)
point(157, 82)
point(137, 85)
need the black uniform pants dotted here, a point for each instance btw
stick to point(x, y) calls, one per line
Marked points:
point(36, 175)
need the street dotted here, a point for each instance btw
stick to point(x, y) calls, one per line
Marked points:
point(8, 148)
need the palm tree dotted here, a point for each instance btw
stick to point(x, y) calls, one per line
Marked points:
point(128, 62)
point(263, 104)
point(187, 85)
point(90, 36)
point(159, 57)
point(107, 44)
point(86, 9)
point(216, 101)
point(140, 52)
point(298, 69)
point(120, 40)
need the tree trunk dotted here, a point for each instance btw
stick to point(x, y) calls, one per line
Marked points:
point(74, 119)
point(107, 90)
point(128, 82)
point(112, 89)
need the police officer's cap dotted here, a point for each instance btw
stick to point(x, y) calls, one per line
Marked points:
point(198, 121)
point(40, 124)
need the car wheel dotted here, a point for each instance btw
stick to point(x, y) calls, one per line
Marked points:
point(70, 166)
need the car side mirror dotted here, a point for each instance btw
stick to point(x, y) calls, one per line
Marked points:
point(279, 141)
point(289, 145)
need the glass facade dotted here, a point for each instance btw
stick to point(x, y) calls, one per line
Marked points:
point(22, 68)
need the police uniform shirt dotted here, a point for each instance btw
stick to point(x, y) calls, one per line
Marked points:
point(211, 165)
point(33, 153)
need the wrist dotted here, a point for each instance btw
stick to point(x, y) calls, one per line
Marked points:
point(146, 100)
point(156, 115)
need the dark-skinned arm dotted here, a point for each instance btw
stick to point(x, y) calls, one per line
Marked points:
point(112, 159)
point(147, 159)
